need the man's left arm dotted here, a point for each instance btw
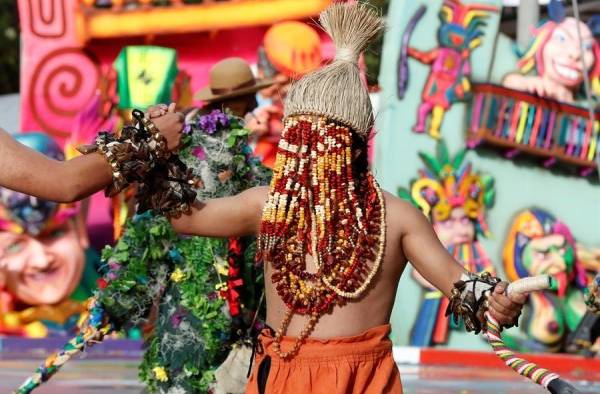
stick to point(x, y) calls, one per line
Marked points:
point(431, 259)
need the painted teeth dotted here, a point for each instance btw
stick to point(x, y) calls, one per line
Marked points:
point(566, 72)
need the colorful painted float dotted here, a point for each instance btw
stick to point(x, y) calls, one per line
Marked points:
point(69, 46)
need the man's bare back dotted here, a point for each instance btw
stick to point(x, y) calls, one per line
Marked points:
point(409, 236)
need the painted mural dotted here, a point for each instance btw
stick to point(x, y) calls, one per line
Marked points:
point(538, 244)
point(547, 139)
point(455, 199)
point(450, 63)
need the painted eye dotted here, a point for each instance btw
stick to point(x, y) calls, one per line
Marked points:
point(560, 36)
point(15, 247)
point(587, 46)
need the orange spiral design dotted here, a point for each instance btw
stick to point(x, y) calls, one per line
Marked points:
point(63, 83)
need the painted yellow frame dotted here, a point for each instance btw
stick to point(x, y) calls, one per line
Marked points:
point(96, 23)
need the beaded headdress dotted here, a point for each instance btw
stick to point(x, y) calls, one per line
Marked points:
point(20, 213)
point(320, 205)
point(446, 183)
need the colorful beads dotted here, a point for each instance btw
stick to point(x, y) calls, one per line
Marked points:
point(319, 205)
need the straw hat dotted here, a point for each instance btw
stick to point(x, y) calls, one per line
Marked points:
point(231, 77)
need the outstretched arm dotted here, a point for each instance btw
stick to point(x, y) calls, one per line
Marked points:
point(429, 257)
point(426, 57)
point(234, 216)
point(24, 170)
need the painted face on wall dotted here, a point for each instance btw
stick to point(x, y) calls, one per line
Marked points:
point(550, 255)
point(457, 229)
point(562, 54)
point(452, 36)
point(42, 270)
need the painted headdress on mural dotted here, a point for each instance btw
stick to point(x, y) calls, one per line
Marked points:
point(446, 183)
point(520, 255)
point(455, 200)
point(462, 23)
point(558, 27)
point(21, 213)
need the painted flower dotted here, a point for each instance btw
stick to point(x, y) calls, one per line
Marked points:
point(178, 275)
point(160, 373)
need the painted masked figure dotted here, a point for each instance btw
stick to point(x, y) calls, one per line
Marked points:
point(46, 268)
point(555, 63)
point(448, 81)
point(455, 201)
point(539, 244)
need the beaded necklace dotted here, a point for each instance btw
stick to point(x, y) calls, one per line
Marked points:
point(318, 206)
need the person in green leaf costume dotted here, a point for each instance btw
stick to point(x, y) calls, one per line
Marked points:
point(208, 291)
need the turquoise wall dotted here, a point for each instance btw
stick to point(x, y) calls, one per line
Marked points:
point(574, 200)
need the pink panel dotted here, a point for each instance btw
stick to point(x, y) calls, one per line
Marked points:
point(57, 76)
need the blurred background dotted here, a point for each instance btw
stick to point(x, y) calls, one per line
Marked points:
point(486, 120)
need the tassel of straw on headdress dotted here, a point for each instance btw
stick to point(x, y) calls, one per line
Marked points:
point(337, 91)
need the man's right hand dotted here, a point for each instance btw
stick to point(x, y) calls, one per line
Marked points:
point(170, 125)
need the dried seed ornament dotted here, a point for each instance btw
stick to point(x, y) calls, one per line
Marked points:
point(139, 154)
point(319, 203)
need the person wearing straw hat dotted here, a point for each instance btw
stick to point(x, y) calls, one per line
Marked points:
point(333, 243)
point(232, 85)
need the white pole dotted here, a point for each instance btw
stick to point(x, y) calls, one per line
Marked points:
point(528, 15)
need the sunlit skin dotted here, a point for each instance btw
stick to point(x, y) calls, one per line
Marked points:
point(563, 69)
point(42, 270)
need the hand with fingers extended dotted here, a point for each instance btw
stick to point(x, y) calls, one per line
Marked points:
point(168, 122)
point(506, 309)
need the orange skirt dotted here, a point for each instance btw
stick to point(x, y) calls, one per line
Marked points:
point(360, 364)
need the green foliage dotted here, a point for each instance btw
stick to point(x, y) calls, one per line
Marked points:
point(442, 153)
